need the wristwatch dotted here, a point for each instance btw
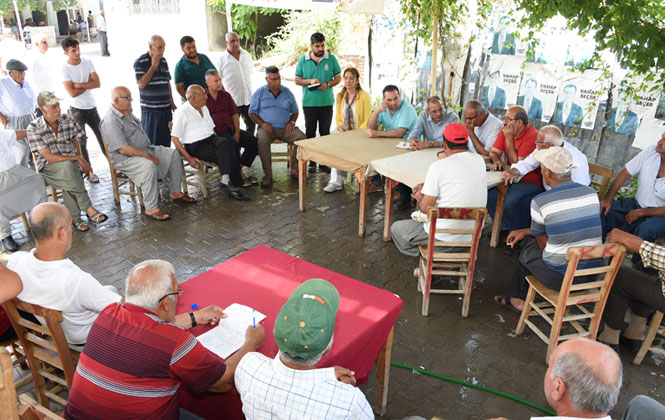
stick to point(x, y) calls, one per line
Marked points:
point(431, 144)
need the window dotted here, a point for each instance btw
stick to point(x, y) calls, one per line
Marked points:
point(154, 6)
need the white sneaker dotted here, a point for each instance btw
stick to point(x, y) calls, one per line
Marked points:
point(332, 187)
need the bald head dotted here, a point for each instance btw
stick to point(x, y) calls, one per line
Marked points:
point(47, 218)
point(119, 91)
point(551, 134)
point(193, 91)
point(148, 282)
point(122, 99)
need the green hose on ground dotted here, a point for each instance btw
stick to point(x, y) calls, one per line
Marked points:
point(480, 387)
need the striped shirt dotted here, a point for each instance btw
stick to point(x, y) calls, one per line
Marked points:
point(654, 256)
point(156, 96)
point(133, 365)
point(569, 214)
point(41, 136)
point(272, 391)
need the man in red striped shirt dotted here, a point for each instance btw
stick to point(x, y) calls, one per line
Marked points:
point(139, 353)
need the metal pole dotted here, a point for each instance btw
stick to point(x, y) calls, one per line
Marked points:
point(18, 22)
point(435, 45)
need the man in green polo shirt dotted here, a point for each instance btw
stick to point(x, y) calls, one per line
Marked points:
point(192, 67)
point(317, 72)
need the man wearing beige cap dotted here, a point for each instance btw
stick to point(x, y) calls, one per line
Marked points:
point(59, 158)
point(564, 216)
point(290, 385)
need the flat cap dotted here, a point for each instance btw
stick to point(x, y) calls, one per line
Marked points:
point(16, 65)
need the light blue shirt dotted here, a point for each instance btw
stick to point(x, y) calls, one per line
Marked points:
point(433, 131)
point(404, 117)
point(16, 101)
point(275, 110)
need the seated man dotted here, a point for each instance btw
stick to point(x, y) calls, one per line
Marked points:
point(274, 110)
point(428, 131)
point(290, 386)
point(482, 126)
point(583, 380)
point(516, 141)
point(53, 281)
point(642, 407)
point(549, 136)
point(561, 217)
point(459, 180)
point(10, 287)
point(158, 355)
point(20, 188)
point(132, 153)
point(193, 135)
point(643, 215)
point(59, 159)
point(224, 114)
point(642, 292)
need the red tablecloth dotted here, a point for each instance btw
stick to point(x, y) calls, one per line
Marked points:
point(263, 278)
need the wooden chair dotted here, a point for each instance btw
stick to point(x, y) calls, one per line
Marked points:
point(283, 156)
point(119, 179)
point(51, 192)
point(567, 304)
point(459, 264)
point(206, 172)
point(654, 328)
point(605, 175)
point(29, 408)
point(51, 360)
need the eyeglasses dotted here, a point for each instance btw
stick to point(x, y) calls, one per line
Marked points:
point(179, 293)
point(470, 118)
point(509, 119)
point(128, 97)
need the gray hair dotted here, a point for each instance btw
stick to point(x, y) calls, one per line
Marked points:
point(153, 39)
point(587, 392)
point(476, 106)
point(211, 72)
point(146, 293)
point(563, 175)
point(553, 135)
point(311, 362)
point(229, 33)
point(192, 93)
point(47, 227)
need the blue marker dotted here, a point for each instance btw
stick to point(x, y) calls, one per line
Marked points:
point(253, 319)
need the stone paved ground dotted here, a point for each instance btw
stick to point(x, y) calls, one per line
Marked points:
point(481, 349)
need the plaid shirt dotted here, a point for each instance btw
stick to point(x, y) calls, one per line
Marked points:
point(654, 256)
point(41, 136)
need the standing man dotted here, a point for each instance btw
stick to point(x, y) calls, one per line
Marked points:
point(153, 77)
point(191, 68)
point(17, 106)
point(482, 126)
point(41, 73)
point(103, 40)
point(235, 67)
point(275, 111)
point(317, 72)
point(79, 77)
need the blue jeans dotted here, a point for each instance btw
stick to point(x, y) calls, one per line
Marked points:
point(513, 218)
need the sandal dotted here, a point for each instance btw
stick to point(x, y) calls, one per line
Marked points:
point(160, 216)
point(505, 301)
point(98, 217)
point(94, 179)
point(80, 225)
point(185, 199)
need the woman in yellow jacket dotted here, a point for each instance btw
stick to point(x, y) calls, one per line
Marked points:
point(353, 109)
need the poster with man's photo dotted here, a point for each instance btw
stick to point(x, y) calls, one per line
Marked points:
point(637, 115)
point(502, 81)
point(578, 97)
point(538, 91)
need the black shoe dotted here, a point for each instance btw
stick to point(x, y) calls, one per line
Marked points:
point(253, 180)
point(10, 244)
point(229, 187)
point(632, 344)
point(324, 168)
point(403, 204)
point(312, 166)
point(237, 195)
point(510, 251)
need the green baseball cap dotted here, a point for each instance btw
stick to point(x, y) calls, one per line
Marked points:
point(305, 324)
point(47, 98)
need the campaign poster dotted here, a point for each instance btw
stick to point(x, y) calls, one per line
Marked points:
point(638, 115)
point(578, 98)
point(503, 39)
point(538, 91)
point(502, 81)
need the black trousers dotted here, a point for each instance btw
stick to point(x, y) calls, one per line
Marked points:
point(317, 115)
point(219, 150)
point(632, 288)
point(248, 142)
point(90, 117)
point(250, 126)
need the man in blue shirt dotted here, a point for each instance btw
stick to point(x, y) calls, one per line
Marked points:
point(428, 131)
point(274, 110)
point(396, 117)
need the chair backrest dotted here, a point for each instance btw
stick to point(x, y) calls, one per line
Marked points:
point(45, 346)
point(7, 391)
point(475, 214)
point(606, 175)
point(107, 153)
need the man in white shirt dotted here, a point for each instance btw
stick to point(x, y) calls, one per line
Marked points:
point(53, 281)
point(79, 77)
point(17, 106)
point(235, 66)
point(290, 386)
point(482, 126)
point(41, 73)
point(582, 381)
point(458, 180)
point(103, 39)
point(20, 188)
point(193, 135)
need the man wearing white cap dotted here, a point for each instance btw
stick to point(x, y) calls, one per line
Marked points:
point(564, 216)
point(17, 105)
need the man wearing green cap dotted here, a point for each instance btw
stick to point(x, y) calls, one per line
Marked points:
point(290, 385)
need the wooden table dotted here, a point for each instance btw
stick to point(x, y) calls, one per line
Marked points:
point(264, 278)
point(350, 151)
point(411, 168)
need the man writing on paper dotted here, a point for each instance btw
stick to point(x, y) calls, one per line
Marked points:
point(158, 354)
point(290, 385)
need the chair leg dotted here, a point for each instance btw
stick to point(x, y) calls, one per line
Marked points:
point(526, 311)
point(467, 295)
point(202, 180)
point(138, 190)
point(651, 334)
point(557, 321)
point(184, 178)
point(26, 225)
point(116, 188)
point(289, 155)
point(426, 290)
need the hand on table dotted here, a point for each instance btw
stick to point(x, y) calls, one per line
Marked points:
point(371, 133)
point(345, 375)
point(210, 315)
point(498, 165)
point(508, 177)
point(255, 336)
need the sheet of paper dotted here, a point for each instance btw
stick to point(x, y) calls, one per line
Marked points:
point(402, 145)
point(227, 337)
